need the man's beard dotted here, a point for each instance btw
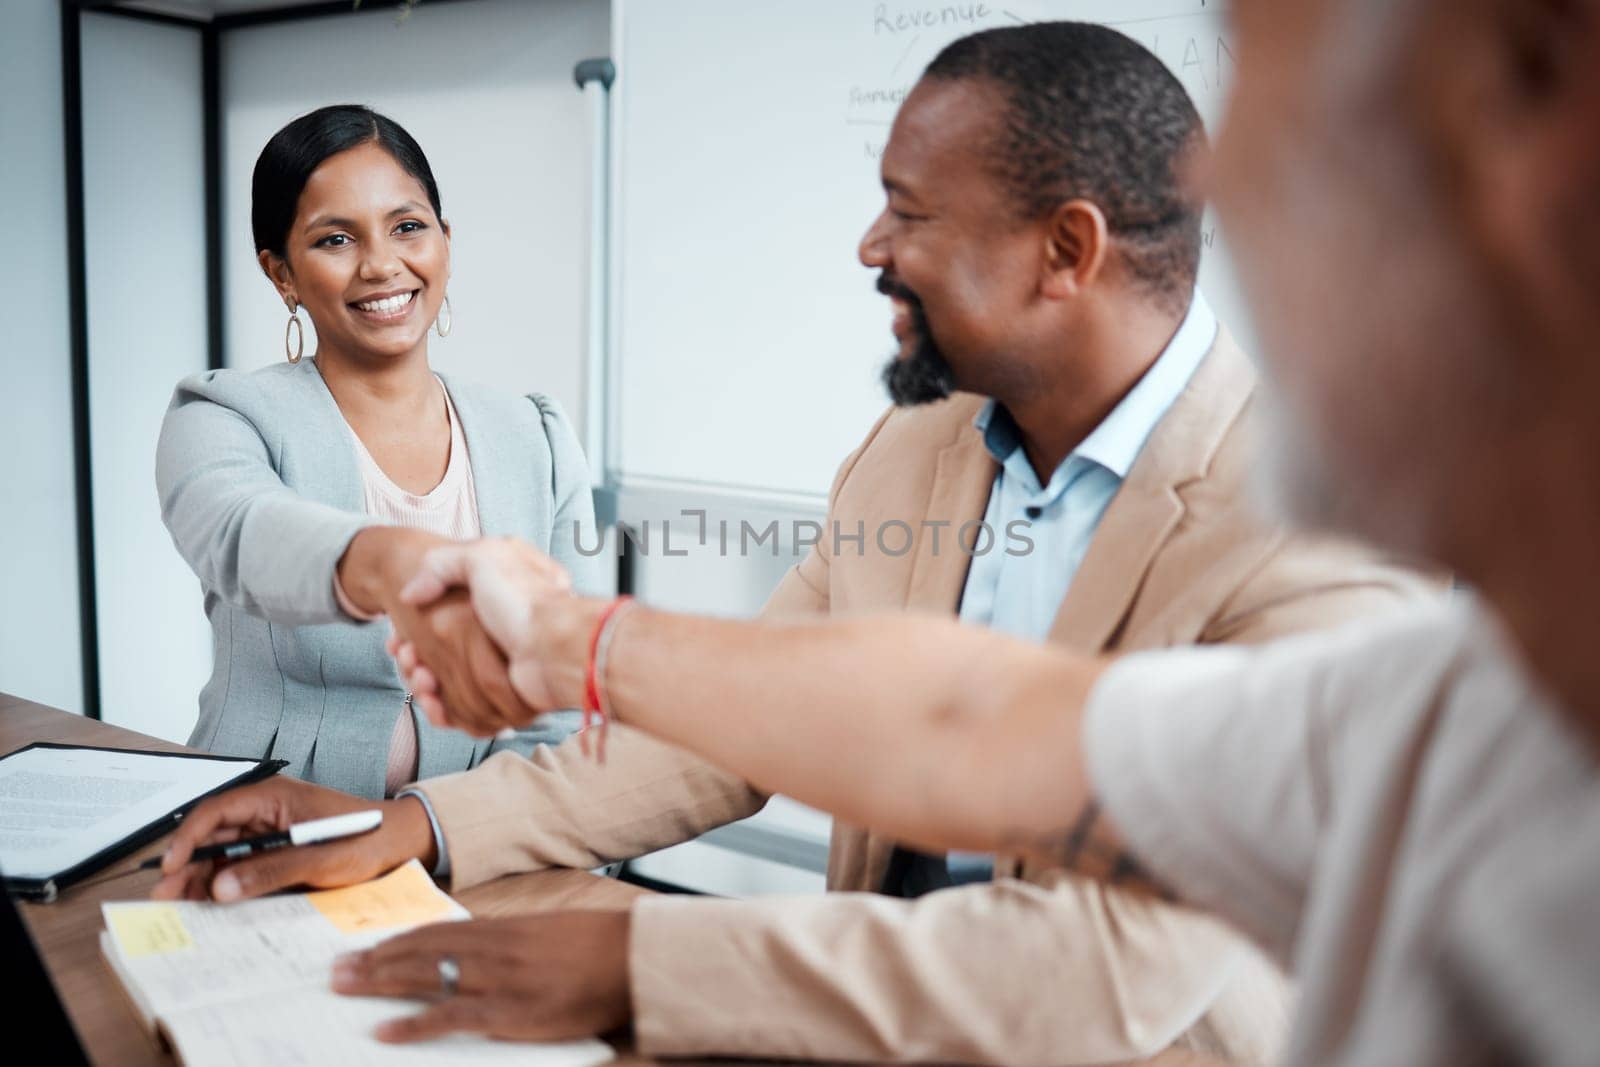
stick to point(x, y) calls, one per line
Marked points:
point(922, 375)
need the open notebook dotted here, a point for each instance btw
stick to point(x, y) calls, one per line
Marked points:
point(248, 983)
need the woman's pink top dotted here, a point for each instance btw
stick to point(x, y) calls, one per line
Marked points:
point(449, 509)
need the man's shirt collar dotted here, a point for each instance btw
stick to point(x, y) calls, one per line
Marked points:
point(1117, 441)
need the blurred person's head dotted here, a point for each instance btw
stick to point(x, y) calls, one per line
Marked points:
point(1412, 190)
point(347, 223)
point(1034, 195)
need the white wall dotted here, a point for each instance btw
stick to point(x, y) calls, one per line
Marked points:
point(144, 222)
point(486, 88)
point(39, 634)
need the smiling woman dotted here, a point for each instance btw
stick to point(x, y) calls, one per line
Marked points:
point(303, 495)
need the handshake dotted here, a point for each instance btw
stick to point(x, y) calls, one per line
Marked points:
point(489, 635)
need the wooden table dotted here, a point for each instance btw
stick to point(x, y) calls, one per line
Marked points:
point(68, 930)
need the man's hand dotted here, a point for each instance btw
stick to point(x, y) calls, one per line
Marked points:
point(268, 807)
point(520, 596)
point(468, 669)
point(469, 673)
point(505, 577)
point(548, 977)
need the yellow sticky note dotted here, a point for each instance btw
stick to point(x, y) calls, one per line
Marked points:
point(148, 930)
point(403, 897)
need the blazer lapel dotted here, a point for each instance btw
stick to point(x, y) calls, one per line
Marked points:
point(332, 475)
point(502, 465)
point(962, 480)
point(1149, 507)
point(1135, 526)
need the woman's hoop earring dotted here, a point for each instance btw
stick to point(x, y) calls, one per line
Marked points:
point(446, 318)
point(294, 327)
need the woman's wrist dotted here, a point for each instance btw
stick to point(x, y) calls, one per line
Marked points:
point(379, 561)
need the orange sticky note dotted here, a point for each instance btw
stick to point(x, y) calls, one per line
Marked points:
point(405, 896)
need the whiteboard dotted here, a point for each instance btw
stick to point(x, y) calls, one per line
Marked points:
point(747, 338)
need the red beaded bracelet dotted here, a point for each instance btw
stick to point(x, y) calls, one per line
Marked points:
point(593, 694)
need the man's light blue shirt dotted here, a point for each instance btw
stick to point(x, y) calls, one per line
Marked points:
point(1021, 594)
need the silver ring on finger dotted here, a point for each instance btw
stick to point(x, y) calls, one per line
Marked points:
point(449, 976)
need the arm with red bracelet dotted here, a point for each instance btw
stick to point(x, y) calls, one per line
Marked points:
point(903, 723)
point(594, 703)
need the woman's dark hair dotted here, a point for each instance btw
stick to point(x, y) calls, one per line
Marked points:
point(286, 164)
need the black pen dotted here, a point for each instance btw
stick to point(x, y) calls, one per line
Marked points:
point(302, 833)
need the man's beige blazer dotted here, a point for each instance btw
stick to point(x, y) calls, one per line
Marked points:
point(1038, 966)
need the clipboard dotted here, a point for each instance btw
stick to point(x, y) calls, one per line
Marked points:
point(45, 889)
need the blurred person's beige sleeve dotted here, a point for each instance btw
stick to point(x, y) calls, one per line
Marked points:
point(1004, 973)
point(560, 808)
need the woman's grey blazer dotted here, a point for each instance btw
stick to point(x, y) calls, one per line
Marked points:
point(260, 490)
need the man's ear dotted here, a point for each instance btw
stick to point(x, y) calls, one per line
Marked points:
point(276, 268)
point(1077, 240)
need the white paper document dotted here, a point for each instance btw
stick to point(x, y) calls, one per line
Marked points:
point(60, 806)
